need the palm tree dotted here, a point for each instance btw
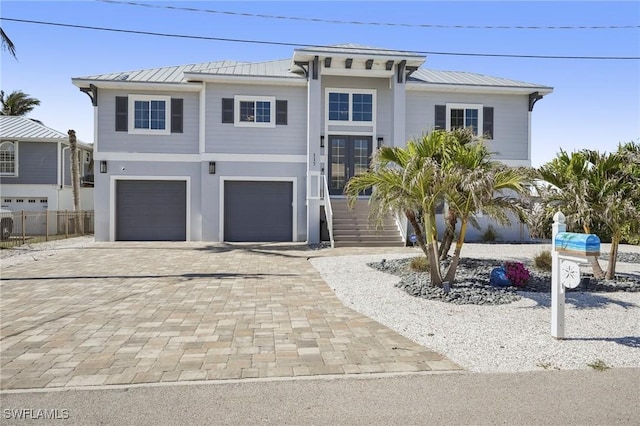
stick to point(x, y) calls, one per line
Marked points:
point(596, 189)
point(7, 44)
point(17, 103)
point(439, 166)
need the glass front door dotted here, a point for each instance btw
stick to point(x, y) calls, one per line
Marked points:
point(348, 157)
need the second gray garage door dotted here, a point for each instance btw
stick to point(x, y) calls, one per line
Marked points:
point(258, 211)
point(151, 210)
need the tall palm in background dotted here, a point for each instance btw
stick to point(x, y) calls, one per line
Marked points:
point(17, 103)
point(7, 44)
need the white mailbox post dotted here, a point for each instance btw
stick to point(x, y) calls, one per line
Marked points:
point(569, 250)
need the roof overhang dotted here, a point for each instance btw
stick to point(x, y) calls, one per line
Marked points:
point(469, 88)
point(128, 85)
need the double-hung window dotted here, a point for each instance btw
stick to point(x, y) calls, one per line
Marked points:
point(463, 116)
point(149, 114)
point(8, 159)
point(350, 106)
point(255, 111)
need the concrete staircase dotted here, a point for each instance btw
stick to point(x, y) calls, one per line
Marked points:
point(351, 228)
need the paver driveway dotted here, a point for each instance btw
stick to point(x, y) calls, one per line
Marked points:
point(121, 313)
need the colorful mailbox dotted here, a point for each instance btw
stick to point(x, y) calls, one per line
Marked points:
point(574, 244)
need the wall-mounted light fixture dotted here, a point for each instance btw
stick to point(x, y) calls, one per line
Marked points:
point(103, 166)
point(321, 141)
point(380, 141)
point(212, 167)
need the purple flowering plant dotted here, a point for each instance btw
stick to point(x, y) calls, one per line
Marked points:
point(517, 273)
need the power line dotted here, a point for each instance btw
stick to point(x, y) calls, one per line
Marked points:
point(277, 43)
point(383, 24)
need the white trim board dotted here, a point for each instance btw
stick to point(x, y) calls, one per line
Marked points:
point(196, 158)
point(112, 199)
point(294, 204)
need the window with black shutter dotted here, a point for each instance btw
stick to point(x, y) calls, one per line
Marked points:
point(122, 113)
point(227, 110)
point(177, 106)
point(281, 112)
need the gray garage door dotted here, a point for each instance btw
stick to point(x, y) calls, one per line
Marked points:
point(151, 210)
point(258, 211)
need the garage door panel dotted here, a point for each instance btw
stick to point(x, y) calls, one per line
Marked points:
point(151, 210)
point(258, 211)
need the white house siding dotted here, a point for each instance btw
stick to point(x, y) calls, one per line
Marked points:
point(174, 143)
point(289, 139)
point(145, 170)
point(510, 118)
point(264, 171)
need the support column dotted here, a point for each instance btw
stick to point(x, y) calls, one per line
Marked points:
point(314, 128)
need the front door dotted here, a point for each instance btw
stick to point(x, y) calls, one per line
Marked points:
point(348, 157)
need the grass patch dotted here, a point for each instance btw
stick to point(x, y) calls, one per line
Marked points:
point(599, 365)
point(419, 264)
point(542, 261)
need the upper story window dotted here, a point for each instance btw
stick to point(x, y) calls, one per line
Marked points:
point(462, 116)
point(351, 106)
point(8, 159)
point(149, 114)
point(255, 111)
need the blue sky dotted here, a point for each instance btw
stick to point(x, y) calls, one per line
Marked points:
point(595, 104)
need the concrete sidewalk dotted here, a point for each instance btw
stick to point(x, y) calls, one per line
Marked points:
point(125, 313)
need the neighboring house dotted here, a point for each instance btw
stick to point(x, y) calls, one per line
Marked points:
point(233, 151)
point(35, 167)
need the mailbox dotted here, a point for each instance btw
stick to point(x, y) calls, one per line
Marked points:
point(574, 244)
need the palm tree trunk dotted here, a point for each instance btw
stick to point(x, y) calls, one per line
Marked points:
point(411, 217)
point(613, 256)
point(455, 260)
point(432, 248)
point(449, 234)
point(75, 181)
point(596, 269)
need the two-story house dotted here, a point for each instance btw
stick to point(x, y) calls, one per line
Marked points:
point(35, 167)
point(234, 151)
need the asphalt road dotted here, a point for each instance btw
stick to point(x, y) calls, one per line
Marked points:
point(572, 397)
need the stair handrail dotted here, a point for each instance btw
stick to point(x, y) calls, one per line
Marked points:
point(328, 211)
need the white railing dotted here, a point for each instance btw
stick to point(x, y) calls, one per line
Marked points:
point(325, 201)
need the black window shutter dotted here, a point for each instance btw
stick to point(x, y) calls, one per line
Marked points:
point(281, 112)
point(122, 113)
point(227, 110)
point(487, 122)
point(176, 115)
point(441, 117)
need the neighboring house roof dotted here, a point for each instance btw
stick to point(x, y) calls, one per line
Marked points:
point(18, 127)
point(286, 68)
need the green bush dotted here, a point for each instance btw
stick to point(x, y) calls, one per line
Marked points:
point(419, 264)
point(542, 261)
point(490, 235)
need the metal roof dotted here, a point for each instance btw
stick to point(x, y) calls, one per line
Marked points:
point(26, 128)
point(18, 127)
point(359, 49)
point(284, 68)
point(462, 78)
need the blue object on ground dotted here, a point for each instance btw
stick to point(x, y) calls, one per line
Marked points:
point(499, 278)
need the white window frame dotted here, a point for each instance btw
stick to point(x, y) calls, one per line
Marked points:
point(351, 92)
point(478, 107)
point(149, 98)
point(242, 98)
point(15, 159)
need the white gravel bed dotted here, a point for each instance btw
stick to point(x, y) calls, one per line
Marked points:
point(33, 252)
point(506, 338)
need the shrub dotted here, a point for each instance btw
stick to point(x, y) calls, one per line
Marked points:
point(490, 235)
point(542, 261)
point(419, 264)
point(517, 273)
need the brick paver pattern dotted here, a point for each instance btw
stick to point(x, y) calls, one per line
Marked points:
point(123, 313)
